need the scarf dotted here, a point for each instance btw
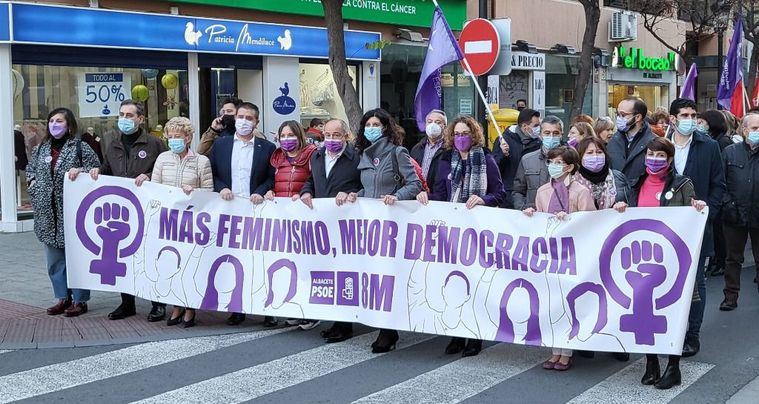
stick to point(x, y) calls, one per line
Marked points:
point(601, 186)
point(469, 177)
point(560, 198)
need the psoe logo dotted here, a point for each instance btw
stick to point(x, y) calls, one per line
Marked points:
point(114, 216)
point(284, 104)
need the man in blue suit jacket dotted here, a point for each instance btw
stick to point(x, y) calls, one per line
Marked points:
point(240, 166)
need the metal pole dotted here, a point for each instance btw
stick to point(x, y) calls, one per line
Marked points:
point(483, 109)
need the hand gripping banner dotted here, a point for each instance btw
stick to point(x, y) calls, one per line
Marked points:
point(598, 281)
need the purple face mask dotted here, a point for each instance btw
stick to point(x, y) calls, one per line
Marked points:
point(333, 145)
point(573, 142)
point(57, 130)
point(656, 164)
point(594, 163)
point(462, 143)
point(289, 144)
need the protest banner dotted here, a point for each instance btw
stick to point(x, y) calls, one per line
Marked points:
point(598, 281)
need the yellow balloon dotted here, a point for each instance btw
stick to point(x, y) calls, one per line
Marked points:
point(169, 81)
point(140, 93)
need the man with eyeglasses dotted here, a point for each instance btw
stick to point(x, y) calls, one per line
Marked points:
point(532, 172)
point(627, 147)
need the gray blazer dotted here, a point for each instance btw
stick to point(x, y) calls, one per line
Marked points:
point(532, 173)
point(378, 176)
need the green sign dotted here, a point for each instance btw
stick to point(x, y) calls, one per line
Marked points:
point(416, 13)
point(633, 58)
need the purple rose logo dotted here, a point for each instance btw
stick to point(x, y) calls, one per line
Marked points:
point(112, 227)
point(641, 263)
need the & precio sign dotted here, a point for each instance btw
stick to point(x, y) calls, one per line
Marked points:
point(634, 58)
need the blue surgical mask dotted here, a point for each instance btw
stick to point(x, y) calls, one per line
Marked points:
point(551, 142)
point(753, 138)
point(177, 145)
point(686, 127)
point(536, 131)
point(555, 170)
point(372, 133)
point(702, 128)
point(127, 126)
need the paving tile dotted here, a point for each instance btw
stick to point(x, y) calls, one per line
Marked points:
point(20, 331)
point(47, 330)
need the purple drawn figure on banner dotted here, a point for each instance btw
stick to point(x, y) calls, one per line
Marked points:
point(506, 321)
point(116, 218)
point(225, 285)
point(643, 264)
point(282, 282)
point(580, 315)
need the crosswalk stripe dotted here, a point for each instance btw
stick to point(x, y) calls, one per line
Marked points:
point(256, 381)
point(2, 351)
point(63, 375)
point(624, 386)
point(470, 376)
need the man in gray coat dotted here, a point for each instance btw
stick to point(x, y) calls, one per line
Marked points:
point(532, 172)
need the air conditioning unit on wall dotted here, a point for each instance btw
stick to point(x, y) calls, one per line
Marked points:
point(623, 26)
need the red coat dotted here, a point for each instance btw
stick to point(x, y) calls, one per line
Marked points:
point(289, 178)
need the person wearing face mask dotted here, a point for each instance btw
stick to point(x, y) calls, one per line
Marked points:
point(241, 169)
point(532, 171)
point(223, 125)
point(577, 132)
point(698, 157)
point(660, 186)
point(521, 105)
point(132, 155)
point(467, 174)
point(627, 146)
point(740, 211)
point(427, 150)
point(561, 196)
point(515, 142)
point(60, 155)
point(181, 167)
point(387, 173)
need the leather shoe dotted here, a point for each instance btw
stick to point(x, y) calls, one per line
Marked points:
point(653, 372)
point(691, 347)
point(236, 319)
point(386, 341)
point(473, 348)
point(670, 378)
point(621, 356)
point(728, 305)
point(455, 346)
point(157, 313)
point(76, 309)
point(270, 321)
point(338, 336)
point(59, 307)
point(122, 312)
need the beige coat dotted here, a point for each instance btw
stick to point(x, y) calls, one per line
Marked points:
point(580, 198)
point(194, 170)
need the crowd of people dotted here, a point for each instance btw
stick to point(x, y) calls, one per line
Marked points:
point(675, 157)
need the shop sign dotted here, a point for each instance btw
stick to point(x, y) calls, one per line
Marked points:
point(634, 58)
point(5, 34)
point(528, 61)
point(416, 13)
point(71, 26)
point(284, 104)
point(101, 94)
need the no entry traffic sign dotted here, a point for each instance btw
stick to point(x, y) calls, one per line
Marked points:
point(480, 42)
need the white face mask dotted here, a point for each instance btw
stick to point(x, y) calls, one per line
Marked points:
point(243, 126)
point(433, 130)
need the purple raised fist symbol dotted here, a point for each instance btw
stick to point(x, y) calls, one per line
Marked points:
point(642, 262)
point(113, 227)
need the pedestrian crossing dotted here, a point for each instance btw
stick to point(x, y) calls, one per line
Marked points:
point(452, 380)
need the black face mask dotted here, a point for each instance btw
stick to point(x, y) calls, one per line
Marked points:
point(228, 121)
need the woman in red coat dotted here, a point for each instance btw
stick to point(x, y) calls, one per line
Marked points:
point(292, 161)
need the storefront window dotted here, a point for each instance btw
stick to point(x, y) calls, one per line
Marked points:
point(318, 94)
point(561, 74)
point(514, 87)
point(654, 96)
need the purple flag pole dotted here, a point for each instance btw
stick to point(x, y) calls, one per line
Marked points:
point(689, 87)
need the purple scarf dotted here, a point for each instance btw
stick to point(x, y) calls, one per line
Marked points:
point(560, 199)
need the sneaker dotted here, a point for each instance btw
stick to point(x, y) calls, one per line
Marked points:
point(309, 324)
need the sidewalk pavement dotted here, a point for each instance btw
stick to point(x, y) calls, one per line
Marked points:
point(25, 293)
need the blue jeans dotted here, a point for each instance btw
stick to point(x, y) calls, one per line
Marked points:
point(56, 268)
point(696, 316)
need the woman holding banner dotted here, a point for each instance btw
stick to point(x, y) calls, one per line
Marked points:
point(386, 173)
point(465, 173)
point(181, 167)
point(660, 185)
point(60, 152)
point(563, 195)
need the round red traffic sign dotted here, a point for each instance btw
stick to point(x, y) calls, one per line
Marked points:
point(480, 43)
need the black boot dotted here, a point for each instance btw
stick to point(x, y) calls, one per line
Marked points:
point(621, 356)
point(157, 313)
point(691, 346)
point(455, 346)
point(653, 370)
point(339, 333)
point(385, 342)
point(671, 376)
point(236, 319)
point(473, 348)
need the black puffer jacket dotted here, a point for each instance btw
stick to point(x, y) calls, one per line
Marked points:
point(741, 206)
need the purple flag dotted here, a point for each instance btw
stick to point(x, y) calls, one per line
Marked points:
point(443, 49)
point(732, 72)
point(689, 87)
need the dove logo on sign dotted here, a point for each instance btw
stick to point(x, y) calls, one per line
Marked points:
point(286, 41)
point(190, 35)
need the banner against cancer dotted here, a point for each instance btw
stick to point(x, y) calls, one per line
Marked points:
point(599, 281)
